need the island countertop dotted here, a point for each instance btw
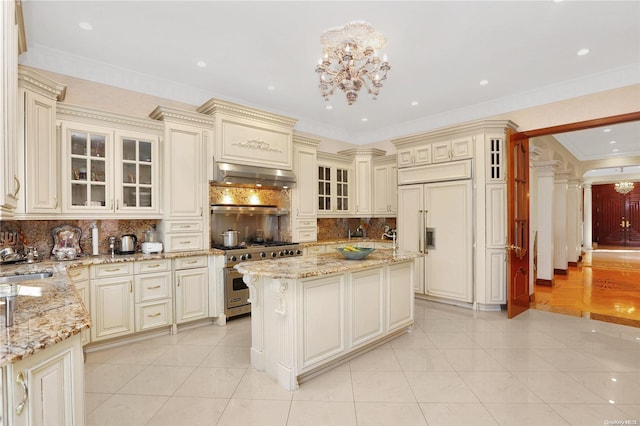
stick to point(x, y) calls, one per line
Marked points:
point(320, 264)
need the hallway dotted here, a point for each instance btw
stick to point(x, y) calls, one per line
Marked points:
point(604, 286)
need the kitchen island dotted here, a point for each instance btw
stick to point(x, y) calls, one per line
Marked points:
point(312, 313)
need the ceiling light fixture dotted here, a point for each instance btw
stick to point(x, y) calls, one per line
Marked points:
point(85, 26)
point(624, 186)
point(201, 64)
point(484, 82)
point(350, 60)
point(414, 103)
point(583, 52)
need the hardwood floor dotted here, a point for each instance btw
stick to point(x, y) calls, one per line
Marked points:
point(604, 286)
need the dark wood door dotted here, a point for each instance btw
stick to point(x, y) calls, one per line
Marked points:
point(518, 224)
point(616, 217)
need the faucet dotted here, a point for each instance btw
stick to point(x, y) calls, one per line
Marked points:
point(392, 236)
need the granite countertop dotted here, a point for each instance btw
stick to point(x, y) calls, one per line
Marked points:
point(353, 240)
point(320, 264)
point(56, 313)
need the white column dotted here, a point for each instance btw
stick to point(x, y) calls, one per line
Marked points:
point(587, 242)
point(534, 154)
point(545, 171)
point(560, 215)
point(574, 221)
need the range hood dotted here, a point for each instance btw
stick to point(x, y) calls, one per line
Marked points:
point(248, 209)
point(241, 173)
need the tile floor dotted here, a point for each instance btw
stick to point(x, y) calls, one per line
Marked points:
point(458, 367)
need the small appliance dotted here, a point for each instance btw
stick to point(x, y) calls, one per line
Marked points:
point(149, 247)
point(128, 244)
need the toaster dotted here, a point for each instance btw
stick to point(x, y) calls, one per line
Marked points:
point(151, 247)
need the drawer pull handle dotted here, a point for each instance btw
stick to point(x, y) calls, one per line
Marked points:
point(74, 274)
point(185, 242)
point(153, 288)
point(112, 270)
point(157, 265)
point(25, 393)
point(191, 262)
point(154, 315)
point(185, 226)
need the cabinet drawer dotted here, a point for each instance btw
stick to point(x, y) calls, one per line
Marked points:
point(155, 265)
point(306, 235)
point(152, 287)
point(183, 226)
point(190, 262)
point(184, 242)
point(306, 223)
point(78, 274)
point(153, 314)
point(111, 270)
point(315, 249)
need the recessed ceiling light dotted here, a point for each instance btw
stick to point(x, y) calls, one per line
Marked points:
point(582, 52)
point(85, 26)
point(611, 401)
point(613, 379)
point(271, 87)
point(201, 64)
point(329, 107)
point(615, 150)
point(414, 103)
point(364, 119)
point(484, 82)
point(612, 142)
point(607, 130)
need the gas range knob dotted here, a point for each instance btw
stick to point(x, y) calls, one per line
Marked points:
point(281, 253)
point(263, 254)
point(232, 258)
point(273, 254)
point(249, 256)
point(243, 257)
point(298, 251)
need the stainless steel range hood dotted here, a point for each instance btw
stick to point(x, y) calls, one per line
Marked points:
point(240, 173)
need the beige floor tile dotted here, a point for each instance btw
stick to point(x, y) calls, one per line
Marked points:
point(93, 400)
point(558, 388)
point(416, 339)
point(322, 413)
point(376, 360)
point(208, 335)
point(126, 410)
point(259, 385)
point(383, 386)
point(422, 360)
point(183, 355)
point(439, 387)
point(157, 380)
point(138, 353)
point(502, 387)
point(211, 382)
point(457, 414)
point(385, 414)
point(108, 378)
point(631, 411)
point(102, 356)
point(452, 340)
point(471, 360)
point(571, 360)
point(238, 339)
point(525, 415)
point(520, 360)
point(334, 385)
point(589, 414)
point(247, 412)
point(620, 387)
point(228, 356)
point(191, 411)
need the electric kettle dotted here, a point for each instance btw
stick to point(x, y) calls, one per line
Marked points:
point(128, 244)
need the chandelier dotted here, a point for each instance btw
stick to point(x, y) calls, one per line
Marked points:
point(351, 60)
point(624, 187)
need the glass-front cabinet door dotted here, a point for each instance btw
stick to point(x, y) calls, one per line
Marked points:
point(137, 172)
point(88, 169)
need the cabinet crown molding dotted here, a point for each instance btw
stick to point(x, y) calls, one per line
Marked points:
point(214, 106)
point(90, 115)
point(303, 140)
point(483, 126)
point(373, 152)
point(164, 113)
point(36, 82)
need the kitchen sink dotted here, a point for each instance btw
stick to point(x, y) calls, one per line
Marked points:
point(14, 278)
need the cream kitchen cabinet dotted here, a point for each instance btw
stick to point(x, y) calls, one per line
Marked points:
point(109, 171)
point(153, 292)
point(315, 249)
point(414, 156)
point(112, 300)
point(191, 277)
point(335, 185)
point(38, 145)
point(363, 190)
point(452, 150)
point(385, 187)
point(79, 276)
point(9, 181)
point(186, 188)
point(47, 388)
point(304, 195)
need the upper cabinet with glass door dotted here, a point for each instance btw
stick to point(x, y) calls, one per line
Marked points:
point(335, 185)
point(109, 171)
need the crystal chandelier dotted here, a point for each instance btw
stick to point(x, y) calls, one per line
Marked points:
point(624, 187)
point(351, 60)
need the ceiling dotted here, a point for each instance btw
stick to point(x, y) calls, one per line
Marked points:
point(263, 54)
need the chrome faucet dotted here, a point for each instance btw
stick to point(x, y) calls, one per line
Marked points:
point(392, 236)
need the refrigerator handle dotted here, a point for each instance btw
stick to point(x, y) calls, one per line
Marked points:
point(420, 226)
point(426, 246)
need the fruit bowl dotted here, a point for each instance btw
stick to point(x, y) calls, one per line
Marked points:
point(355, 253)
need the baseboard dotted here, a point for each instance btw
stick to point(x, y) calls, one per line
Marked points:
point(573, 263)
point(540, 281)
point(559, 272)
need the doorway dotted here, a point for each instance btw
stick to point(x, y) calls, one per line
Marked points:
point(616, 217)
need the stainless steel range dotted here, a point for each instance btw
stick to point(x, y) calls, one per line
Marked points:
point(236, 292)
